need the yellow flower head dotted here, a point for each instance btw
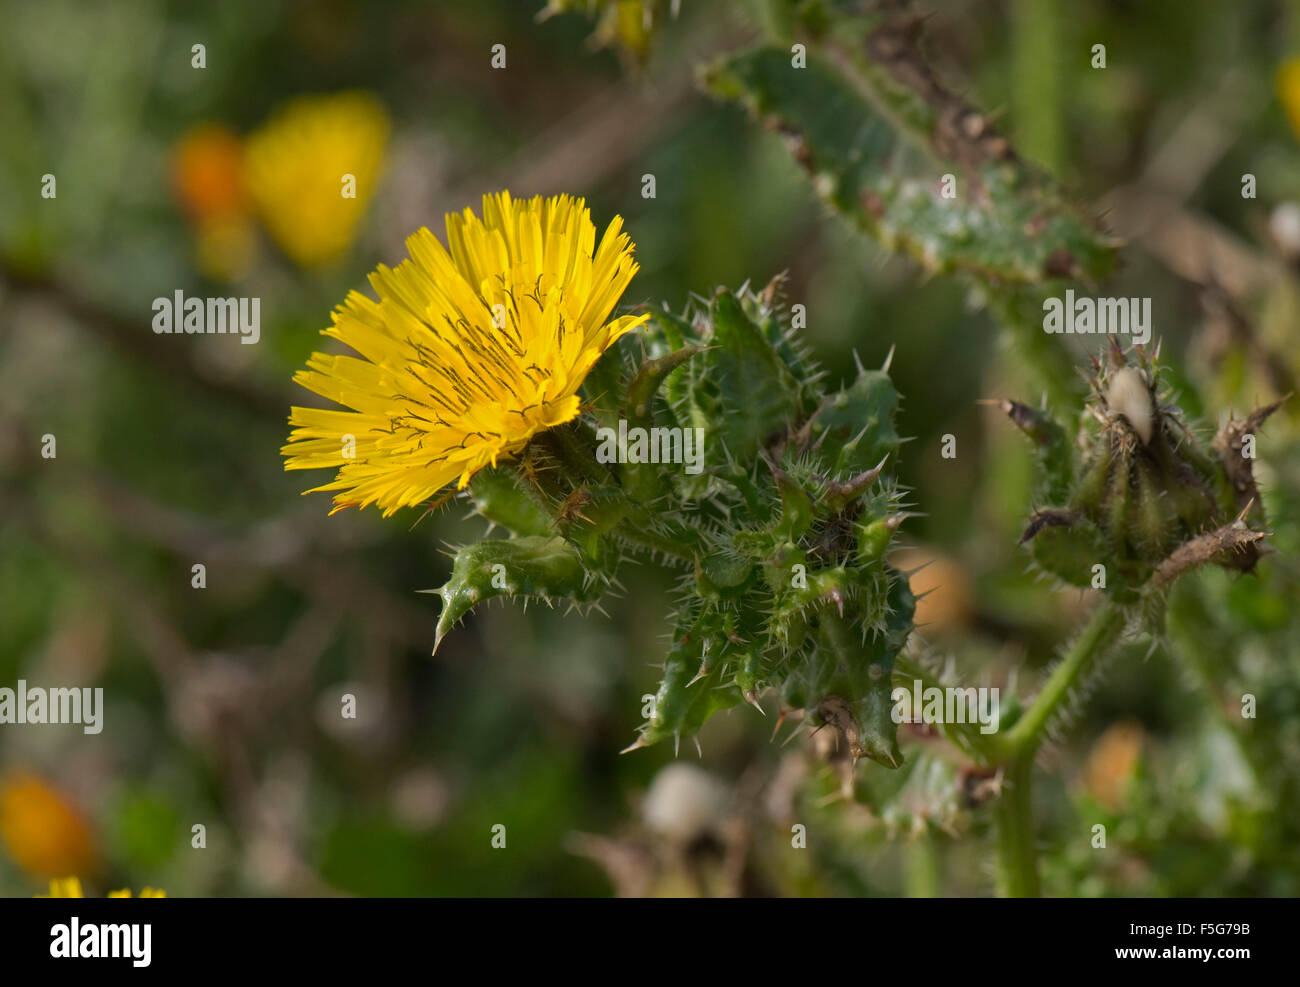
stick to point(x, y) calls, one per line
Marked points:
point(467, 354)
point(297, 166)
point(65, 887)
point(44, 833)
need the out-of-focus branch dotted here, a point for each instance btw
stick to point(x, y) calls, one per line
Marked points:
point(132, 337)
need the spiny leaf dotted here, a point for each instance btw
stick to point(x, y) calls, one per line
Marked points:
point(748, 391)
point(687, 698)
point(855, 428)
point(549, 568)
point(1005, 222)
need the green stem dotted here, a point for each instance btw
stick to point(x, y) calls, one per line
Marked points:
point(1017, 860)
point(921, 867)
point(1017, 857)
point(1096, 638)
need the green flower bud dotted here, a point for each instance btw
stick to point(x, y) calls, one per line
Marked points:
point(1146, 489)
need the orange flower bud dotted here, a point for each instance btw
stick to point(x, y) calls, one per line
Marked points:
point(43, 832)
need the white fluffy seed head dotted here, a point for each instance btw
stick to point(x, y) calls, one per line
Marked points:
point(684, 802)
point(1127, 394)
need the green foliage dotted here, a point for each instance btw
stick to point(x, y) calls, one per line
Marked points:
point(217, 700)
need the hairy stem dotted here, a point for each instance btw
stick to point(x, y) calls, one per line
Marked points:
point(1096, 638)
point(1017, 857)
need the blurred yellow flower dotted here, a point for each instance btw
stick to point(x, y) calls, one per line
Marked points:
point(42, 831)
point(208, 181)
point(466, 355)
point(312, 169)
point(67, 887)
point(1288, 89)
point(70, 887)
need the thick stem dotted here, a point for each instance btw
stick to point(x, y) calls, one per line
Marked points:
point(1017, 861)
point(922, 876)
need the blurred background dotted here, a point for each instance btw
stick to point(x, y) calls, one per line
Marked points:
point(223, 702)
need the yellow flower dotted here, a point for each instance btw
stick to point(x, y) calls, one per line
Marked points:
point(67, 887)
point(466, 355)
point(42, 831)
point(1288, 90)
point(70, 887)
point(297, 168)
